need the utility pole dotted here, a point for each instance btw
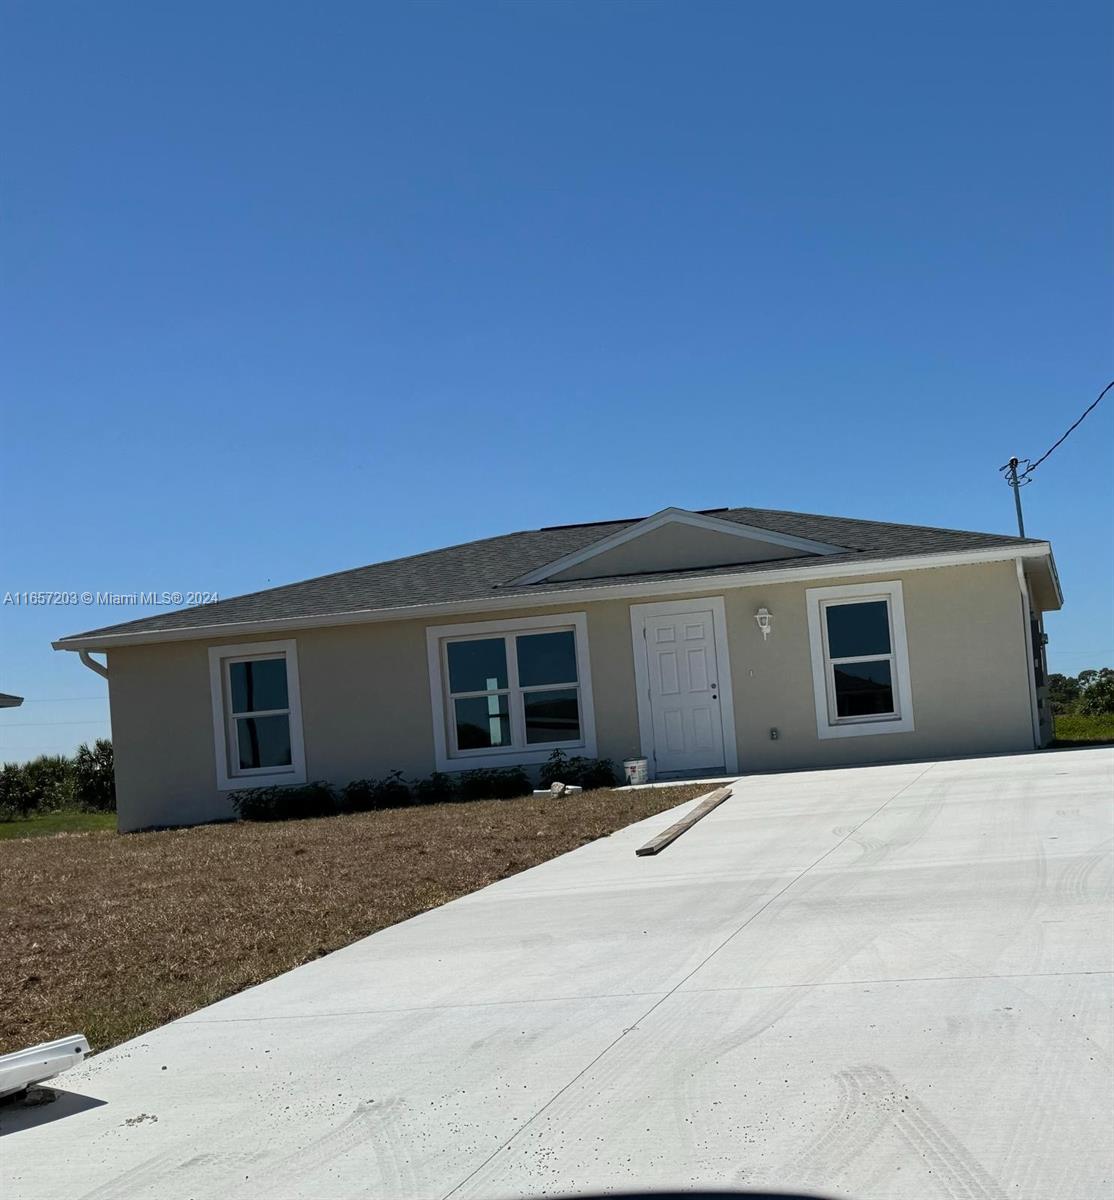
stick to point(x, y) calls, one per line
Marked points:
point(1011, 478)
point(1018, 481)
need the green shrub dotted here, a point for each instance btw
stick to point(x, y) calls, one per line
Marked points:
point(285, 803)
point(1097, 698)
point(1063, 692)
point(94, 777)
point(368, 795)
point(1075, 729)
point(365, 795)
point(17, 797)
point(599, 773)
point(359, 795)
point(1090, 693)
point(50, 780)
point(584, 772)
point(438, 788)
point(502, 784)
point(557, 768)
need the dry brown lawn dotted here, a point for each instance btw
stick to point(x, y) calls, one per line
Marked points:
point(111, 935)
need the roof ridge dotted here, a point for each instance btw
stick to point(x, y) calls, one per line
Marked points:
point(794, 512)
point(702, 512)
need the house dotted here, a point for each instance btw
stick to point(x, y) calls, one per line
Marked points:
point(715, 642)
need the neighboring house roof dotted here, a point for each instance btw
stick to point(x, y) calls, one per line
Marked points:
point(491, 569)
point(9, 701)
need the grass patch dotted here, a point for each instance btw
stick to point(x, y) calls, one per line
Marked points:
point(1072, 729)
point(110, 935)
point(44, 824)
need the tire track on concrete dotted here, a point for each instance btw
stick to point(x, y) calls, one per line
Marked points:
point(835, 887)
point(370, 1126)
point(472, 1176)
point(1073, 885)
point(216, 1174)
point(955, 1168)
point(1055, 1071)
point(873, 1103)
point(150, 1177)
point(851, 1130)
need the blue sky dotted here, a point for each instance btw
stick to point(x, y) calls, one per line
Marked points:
point(292, 288)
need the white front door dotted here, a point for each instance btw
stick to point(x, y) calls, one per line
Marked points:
point(684, 692)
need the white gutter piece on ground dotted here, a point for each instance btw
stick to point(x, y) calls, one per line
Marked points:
point(39, 1063)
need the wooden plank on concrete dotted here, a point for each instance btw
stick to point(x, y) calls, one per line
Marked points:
point(657, 844)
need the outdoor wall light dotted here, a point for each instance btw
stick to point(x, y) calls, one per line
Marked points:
point(765, 621)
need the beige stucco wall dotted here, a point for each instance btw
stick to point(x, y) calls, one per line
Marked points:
point(366, 703)
point(967, 666)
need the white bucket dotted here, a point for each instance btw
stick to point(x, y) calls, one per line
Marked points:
point(636, 770)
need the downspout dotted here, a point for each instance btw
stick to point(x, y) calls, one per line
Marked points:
point(1030, 675)
point(101, 669)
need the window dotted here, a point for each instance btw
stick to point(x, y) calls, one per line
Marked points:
point(510, 691)
point(256, 720)
point(259, 714)
point(859, 660)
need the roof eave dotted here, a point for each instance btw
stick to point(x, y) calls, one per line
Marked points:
point(1054, 598)
point(497, 602)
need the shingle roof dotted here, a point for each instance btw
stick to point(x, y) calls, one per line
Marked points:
point(483, 569)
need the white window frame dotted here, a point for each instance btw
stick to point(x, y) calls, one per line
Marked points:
point(518, 753)
point(232, 778)
point(828, 725)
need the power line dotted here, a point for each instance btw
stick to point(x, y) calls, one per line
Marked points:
point(1033, 466)
point(1019, 471)
point(41, 724)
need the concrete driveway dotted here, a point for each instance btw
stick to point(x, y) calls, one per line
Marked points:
point(882, 982)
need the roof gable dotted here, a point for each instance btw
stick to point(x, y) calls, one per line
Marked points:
point(675, 540)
